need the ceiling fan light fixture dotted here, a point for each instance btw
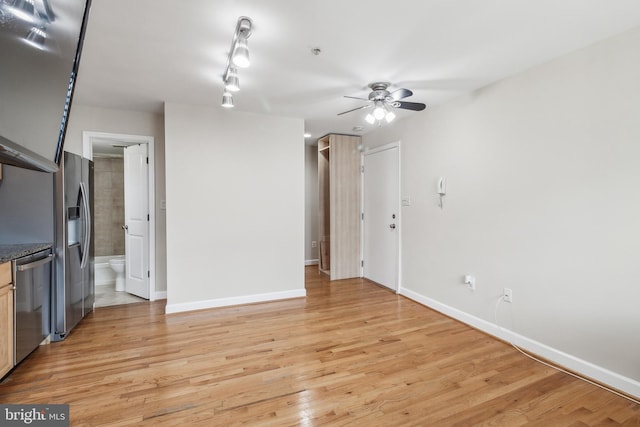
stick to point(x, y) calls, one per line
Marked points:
point(227, 100)
point(379, 113)
point(382, 103)
point(389, 116)
point(370, 119)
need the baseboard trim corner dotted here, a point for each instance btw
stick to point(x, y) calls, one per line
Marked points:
point(159, 295)
point(311, 262)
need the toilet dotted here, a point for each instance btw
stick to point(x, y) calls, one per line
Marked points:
point(118, 265)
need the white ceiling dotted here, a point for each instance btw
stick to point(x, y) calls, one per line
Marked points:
point(139, 54)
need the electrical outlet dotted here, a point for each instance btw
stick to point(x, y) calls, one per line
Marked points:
point(314, 244)
point(470, 281)
point(507, 295)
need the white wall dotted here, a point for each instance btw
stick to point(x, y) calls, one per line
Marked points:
point(311, 204)
point(235, 207)
point(84, 118)
point(543, 198)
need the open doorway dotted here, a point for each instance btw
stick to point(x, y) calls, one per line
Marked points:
point(123, 216)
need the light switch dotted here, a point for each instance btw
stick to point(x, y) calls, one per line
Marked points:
point(163, 204)
point(406, 201)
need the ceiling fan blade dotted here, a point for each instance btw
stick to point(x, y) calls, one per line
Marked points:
point(355, 109)
point(400, 94)
point(355, 97)
point(415, 106)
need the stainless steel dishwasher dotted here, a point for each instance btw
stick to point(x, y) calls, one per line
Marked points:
point(32, 280)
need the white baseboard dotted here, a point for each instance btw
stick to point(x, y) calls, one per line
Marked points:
point(311, 262)
point(561, 358)
point(159, 295)
point(105, 282)
point(223, 302)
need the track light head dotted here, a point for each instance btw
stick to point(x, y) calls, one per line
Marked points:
point(240, 48)
point(240, 57)
point(231, 81)
point(232, 84)
point(227, 100)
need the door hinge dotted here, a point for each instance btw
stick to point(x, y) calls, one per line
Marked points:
point(148, 273)
point(362, 169)
point(362, 216)
point(148, 217)
point(147, 160)
point(362, 263)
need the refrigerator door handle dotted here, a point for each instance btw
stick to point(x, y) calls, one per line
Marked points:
point(87, 226)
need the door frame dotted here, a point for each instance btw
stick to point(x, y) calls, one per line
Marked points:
point(88, 138)
point(373, 150)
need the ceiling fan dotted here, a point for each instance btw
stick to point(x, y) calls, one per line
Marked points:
point(382, 100)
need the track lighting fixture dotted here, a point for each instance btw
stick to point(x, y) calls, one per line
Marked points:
point(238, 58)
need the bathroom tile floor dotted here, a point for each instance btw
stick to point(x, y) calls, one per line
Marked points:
point(107, 295)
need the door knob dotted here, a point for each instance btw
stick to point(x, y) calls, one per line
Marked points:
point(125, 227)
point(392, 226)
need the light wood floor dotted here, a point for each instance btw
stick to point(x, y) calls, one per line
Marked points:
point(351, 353)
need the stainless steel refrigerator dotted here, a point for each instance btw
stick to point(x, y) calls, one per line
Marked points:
point(73, 293)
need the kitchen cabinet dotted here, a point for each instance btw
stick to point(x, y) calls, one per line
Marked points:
point(339, 204)
point(6, 319)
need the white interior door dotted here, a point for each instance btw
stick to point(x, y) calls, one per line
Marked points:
point(136, 212)
point(381, 193)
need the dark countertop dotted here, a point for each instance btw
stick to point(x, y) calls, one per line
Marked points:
point(11, 252)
